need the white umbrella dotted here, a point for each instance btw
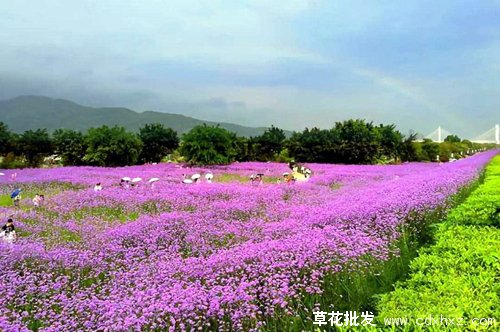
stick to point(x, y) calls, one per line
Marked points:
point(135, 180)
point(286, 173)
point(127, 179)
point(195, 176)
point(209, 176)
point(187, 181)
point(153, 180)
point(2, 174)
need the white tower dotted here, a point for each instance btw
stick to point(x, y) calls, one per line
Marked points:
point(497, 134)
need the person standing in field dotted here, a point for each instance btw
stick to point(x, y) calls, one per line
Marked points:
point(8, 233)
point(98, 187)
point(36, 201)
point(16, 197)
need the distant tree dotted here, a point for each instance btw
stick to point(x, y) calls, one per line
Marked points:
point(358, 140)
point(112, 146)
point(452, 139)
point(208, 145)
point(391, 141)
point(312, 145)
point(408, 150)
point(35, 145)
point(5, 139)
point(70, 146)
point(243, 148)
point(430, 150)
point(158, 142)
point(269, 144)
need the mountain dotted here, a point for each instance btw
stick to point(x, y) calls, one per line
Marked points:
point(33, 112)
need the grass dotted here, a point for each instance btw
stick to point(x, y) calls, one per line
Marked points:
point(230, 177)
point(459, 276)
point(6, 201)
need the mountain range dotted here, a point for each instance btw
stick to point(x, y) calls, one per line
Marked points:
point(34, 112)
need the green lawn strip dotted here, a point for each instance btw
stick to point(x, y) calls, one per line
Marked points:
point(29, 190)
point(230, 177)
point(458, 278)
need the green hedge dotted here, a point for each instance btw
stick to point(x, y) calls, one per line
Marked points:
point(459, 276)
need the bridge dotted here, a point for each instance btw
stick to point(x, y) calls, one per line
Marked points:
point(490, 136)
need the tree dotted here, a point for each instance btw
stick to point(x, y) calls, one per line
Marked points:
point(243, 148)
point(312, 145)
point(112, 146)
point(408, 151)
point(430, 150)
point(391, 141)
point(5, 139)
point(70, 146)
point(359, 142)
point(208, 145)
point(452, 139)
point(35, 145)
point(158, 141)
point(270, 144)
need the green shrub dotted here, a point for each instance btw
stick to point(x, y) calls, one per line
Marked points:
point(459, 276)
point(482, 207)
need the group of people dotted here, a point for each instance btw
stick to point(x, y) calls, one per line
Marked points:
point(196, 178)
point(38, 200)
point(8, 231)
point(297, 169)
point(299, 173)
point(257, 178)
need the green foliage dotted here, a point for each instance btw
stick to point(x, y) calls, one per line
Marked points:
point(429, 151)
point(359, 142)
point(70, 146)
point(452, 139)
point(312, 145)
point(11, 161)
point(244, 149)
point(391, 141)
point(35, 145)
point(269, 144)
point(158, 142)
point(483, 206)
point(351, 142)
point(408, 149)
point(208, 145)
point(112, 147)
point(5, 139)
point(458, 277)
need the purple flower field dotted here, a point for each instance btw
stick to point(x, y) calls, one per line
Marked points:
point(222, 255)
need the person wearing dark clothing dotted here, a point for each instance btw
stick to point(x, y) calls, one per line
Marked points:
point(9, 227)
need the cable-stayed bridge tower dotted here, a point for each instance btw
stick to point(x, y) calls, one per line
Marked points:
point(438, 135)
point(490, 136)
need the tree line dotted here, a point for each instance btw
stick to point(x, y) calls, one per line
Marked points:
point(349, 142)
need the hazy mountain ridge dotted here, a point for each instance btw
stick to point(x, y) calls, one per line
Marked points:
point(33, 112)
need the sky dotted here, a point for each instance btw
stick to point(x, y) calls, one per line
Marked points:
point(294, 64)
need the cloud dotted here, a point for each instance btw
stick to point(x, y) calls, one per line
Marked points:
point(294, 64)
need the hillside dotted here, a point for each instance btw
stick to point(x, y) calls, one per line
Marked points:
point(33, 112)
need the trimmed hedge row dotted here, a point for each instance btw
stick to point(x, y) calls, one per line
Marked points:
point(458, 277)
